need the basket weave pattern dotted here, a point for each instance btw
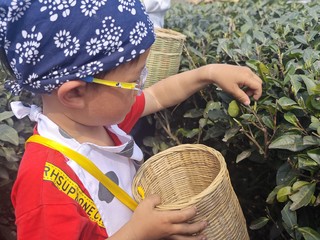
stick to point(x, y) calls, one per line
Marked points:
point(165, 55)
point(193, 174)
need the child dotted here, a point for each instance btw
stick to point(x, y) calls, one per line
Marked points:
point(59, 49)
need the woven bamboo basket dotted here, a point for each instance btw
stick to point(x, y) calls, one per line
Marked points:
point(165, 55)
point(193, 174)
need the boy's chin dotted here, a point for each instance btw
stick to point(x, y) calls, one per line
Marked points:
point(119, 121)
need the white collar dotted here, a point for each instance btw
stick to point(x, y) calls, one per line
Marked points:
point(49, 129)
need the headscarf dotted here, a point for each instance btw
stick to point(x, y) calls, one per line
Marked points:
point(49, 42)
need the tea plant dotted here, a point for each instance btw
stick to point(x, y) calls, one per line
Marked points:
point(12, 138)
point(280, 41)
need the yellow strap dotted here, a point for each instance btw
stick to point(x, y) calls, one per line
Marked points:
point(86, 164)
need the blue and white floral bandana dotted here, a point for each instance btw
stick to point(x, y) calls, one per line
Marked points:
point(49, 42)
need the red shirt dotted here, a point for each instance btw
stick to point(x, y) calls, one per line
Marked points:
point(49, 199)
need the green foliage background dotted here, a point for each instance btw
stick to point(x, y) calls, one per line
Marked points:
point(272, 148)
point(13, 134)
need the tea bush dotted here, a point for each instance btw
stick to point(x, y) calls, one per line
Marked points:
point(13, 134)
point(275, 141)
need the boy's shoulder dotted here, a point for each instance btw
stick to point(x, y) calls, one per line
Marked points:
point(37, 156)
point(43, 174)
point(45, 183)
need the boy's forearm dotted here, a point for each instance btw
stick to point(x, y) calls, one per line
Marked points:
point(175, 89)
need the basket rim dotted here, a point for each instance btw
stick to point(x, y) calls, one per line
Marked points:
point(194, 199)
point(169, 33)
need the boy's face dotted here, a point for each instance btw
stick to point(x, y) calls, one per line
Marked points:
point(109, 105)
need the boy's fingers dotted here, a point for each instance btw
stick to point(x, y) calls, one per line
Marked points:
point(181, 216)
point(253, 94)
point(256, 77)
point(153, 200)
point(189, 229)
point(253, 88)
point(249, 92)
point(179, 237)
point(241, 96)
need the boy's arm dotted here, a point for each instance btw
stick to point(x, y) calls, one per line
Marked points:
point(179, 87)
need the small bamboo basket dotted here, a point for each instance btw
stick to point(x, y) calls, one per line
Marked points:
point(193, 174)
point(165, 55)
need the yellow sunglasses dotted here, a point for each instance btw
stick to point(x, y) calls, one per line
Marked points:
point(137, 86)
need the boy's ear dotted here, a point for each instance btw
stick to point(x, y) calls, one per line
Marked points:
point(72, 94)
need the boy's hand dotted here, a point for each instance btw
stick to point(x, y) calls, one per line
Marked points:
point(239, 81)
point(148, 223)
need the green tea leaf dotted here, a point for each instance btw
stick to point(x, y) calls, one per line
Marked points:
point(288, 103)
point(301, 39)
point(259, 223)
point(310, 84)
point(230, 133)
point(311, 141)
point(8, 134)
point(295, 83)
point(309, 233)
point(9, 154)
point(233, 109)
point(248, 117)
point(304, 162)
point(192, 133)
point(203, 122)
point(291, 142)
point(302, 197)
point(259, 36)
point(4, 173)
point(314, 125)
point(245, 154)
point(5, 115)
point(282, 194)
point(188, 133)
point(298, 184)
point(268, 122)
point(272, 195)
point(211, 105)
point(289, 217)
point(214, 132)
point(314, 154)
point(315, 101)
point(193, 113)
point(291, 118)
point(216, 114)
point(285, 174)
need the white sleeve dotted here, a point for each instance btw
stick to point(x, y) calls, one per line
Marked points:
point(157, 5)
point(156, 10)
